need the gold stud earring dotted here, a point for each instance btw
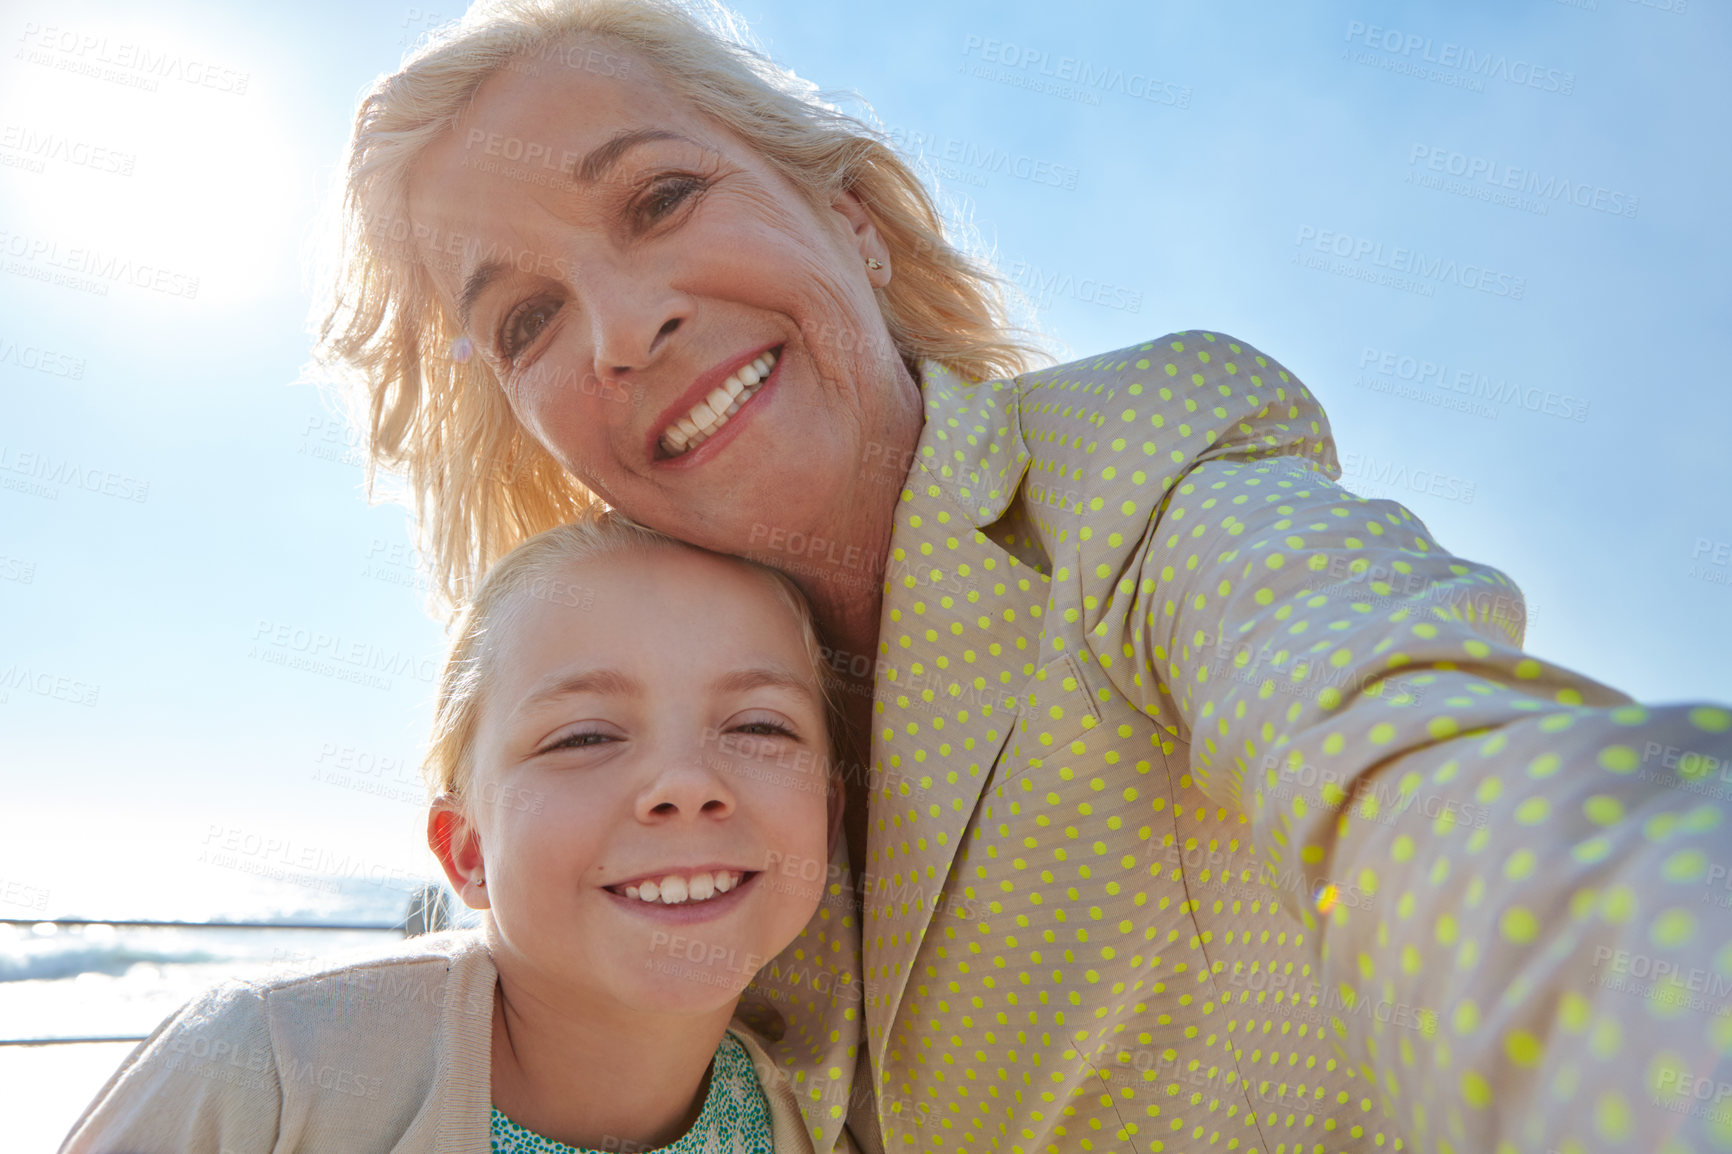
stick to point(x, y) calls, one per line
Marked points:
point(874, 263)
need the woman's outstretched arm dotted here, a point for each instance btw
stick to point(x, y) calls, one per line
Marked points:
point(1547, 858)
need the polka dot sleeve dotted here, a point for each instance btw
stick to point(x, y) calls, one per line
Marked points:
point(1515, 856)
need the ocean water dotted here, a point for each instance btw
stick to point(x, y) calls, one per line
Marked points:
point(105, 981)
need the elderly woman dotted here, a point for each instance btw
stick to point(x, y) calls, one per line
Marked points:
point(1204, 804)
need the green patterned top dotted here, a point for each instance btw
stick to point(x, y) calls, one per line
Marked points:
point(735, 1117)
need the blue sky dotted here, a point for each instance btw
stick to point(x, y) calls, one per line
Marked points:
point(1490, 238)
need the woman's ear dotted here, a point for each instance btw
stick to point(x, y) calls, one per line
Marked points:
point(874, 253)
point(455, 843)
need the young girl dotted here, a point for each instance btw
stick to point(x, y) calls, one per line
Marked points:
point(631, 748)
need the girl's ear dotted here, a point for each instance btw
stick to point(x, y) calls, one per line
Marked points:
point(456, 844)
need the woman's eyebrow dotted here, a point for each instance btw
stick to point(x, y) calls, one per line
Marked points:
point(604, 156)
point(590, 170)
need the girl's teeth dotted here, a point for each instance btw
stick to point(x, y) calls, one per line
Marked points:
point(676, 890)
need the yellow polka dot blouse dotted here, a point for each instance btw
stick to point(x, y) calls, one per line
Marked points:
point(1216, 808)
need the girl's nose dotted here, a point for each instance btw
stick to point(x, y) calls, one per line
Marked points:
point(690, 785)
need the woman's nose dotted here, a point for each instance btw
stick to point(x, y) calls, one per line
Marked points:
point(634, 314)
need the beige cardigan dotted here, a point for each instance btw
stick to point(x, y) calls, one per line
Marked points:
point(393, 1053)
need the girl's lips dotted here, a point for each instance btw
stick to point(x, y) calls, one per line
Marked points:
point(687, 912)
point(694, 457)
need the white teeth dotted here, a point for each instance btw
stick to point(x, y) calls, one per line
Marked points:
point(676, 890)
point(713, 411)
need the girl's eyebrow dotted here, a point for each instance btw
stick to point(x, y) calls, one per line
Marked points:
point(770, 676)
point(600, 682)
point(613, 683)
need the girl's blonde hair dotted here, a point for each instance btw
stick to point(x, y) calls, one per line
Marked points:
point(479, 483)
point(534, 569)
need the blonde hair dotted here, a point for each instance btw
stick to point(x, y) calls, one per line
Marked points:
point(478, 482)
point(530, 570)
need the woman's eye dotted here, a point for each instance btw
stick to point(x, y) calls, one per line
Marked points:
point(666, 195)
point(524, 325)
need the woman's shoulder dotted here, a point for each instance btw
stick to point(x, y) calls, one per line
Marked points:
point(1176, 356)
point(1153, 409)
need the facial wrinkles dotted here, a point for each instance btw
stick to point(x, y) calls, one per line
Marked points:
point(843, 310)
point(805, 283)
point(612, 303)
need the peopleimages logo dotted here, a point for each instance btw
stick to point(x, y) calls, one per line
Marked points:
point(137, 65)
point(1408, 264)
point(1497, 176)
point(1069, 76)
point(88, 268)
point(36, 148)
point(954, 158)
point(1415, 51)
point(1471, 384)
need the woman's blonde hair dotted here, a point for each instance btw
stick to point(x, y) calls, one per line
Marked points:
point(479, 483)
point(535, 569)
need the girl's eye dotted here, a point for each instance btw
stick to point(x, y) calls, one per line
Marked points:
point(666, 195)
point(764, 729)
point(585, 740)
point(525, 323)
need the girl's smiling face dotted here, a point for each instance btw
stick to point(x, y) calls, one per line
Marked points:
point(650, 719)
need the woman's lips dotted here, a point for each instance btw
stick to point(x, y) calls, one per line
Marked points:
point(710, 415)
point(749, 408)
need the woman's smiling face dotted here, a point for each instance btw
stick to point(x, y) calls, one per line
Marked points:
point(617, 258)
